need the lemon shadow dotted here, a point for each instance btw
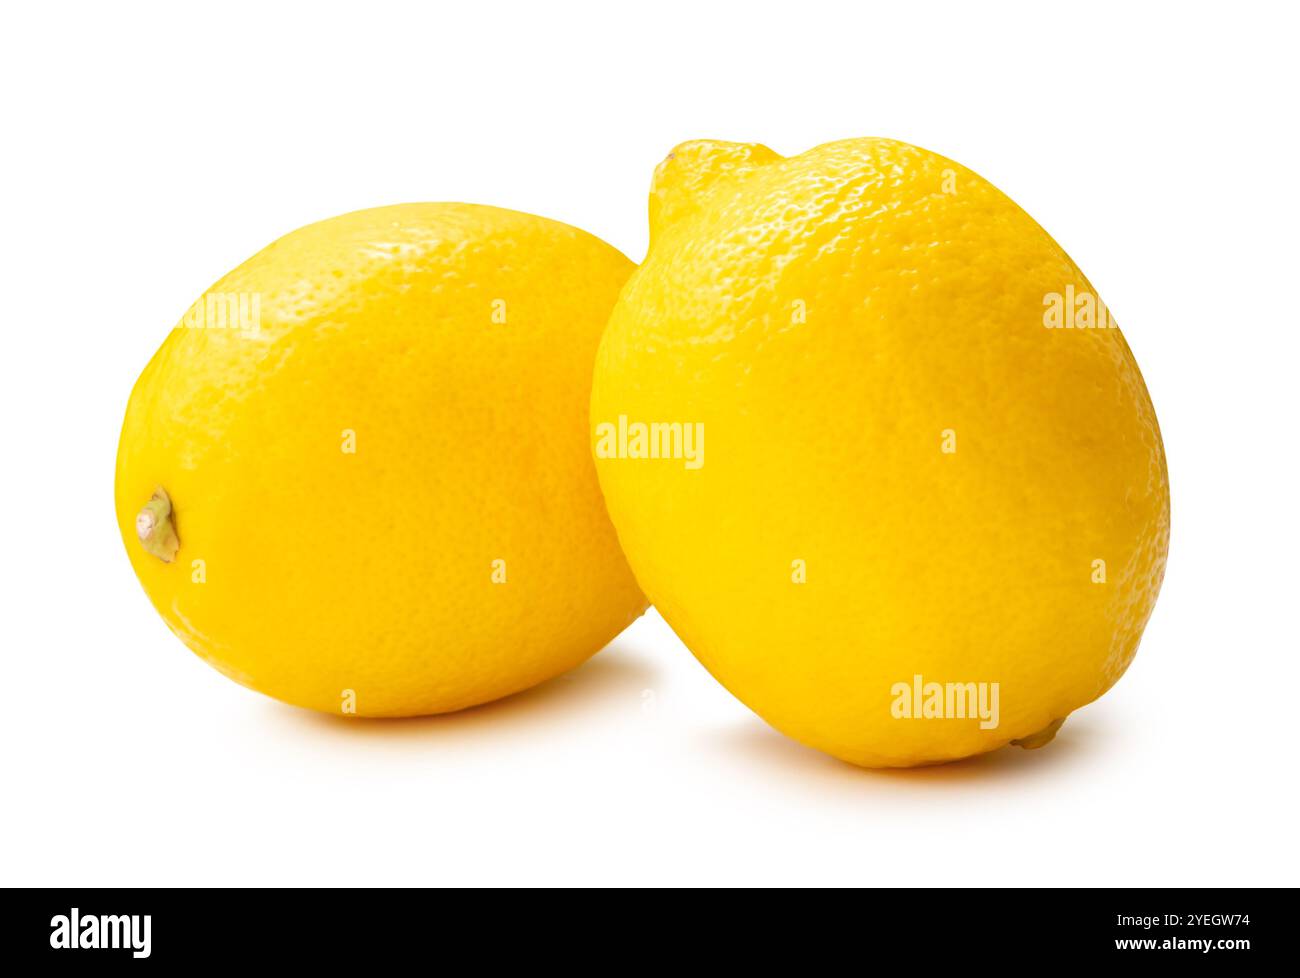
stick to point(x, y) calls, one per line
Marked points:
point(611, 680)
point(1081, 742)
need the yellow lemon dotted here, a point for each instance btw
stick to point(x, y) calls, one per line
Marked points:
point(876, 451)
point(356, 476)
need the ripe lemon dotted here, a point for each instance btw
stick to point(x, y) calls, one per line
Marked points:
point(356, 476)
point(876, 452)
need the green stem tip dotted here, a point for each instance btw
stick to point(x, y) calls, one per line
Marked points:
point(153, 525)
point(1042, 737)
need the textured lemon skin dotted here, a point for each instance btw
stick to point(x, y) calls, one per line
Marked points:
point(831, 319)
point(368, 576)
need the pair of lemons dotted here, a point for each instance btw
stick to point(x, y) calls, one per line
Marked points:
point(858, 427)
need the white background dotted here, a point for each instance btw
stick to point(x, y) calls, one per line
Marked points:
point(147, 150)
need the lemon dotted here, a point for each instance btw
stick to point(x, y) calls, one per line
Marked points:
point(356, 476)
point(876, 451)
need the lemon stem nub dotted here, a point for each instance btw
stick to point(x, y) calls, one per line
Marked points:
point(1042, 738)
point(154, 527)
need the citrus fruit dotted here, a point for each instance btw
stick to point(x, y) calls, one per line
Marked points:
point(355, 477)
point(877, 452)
